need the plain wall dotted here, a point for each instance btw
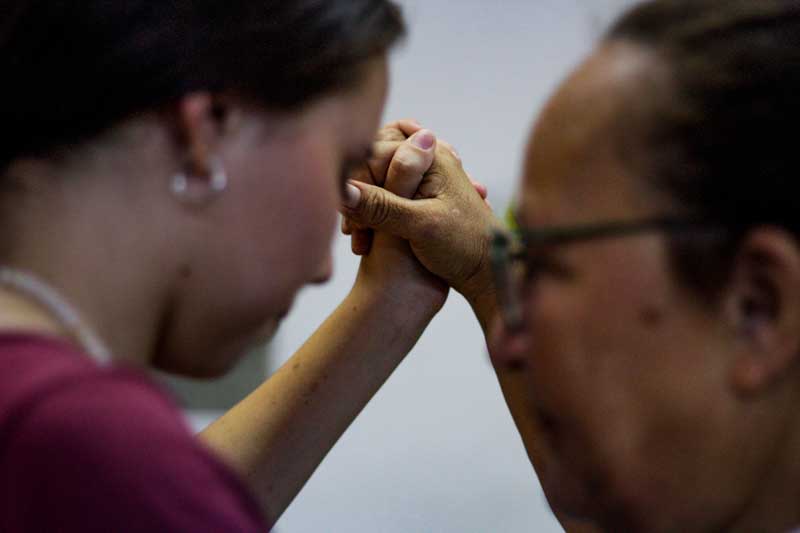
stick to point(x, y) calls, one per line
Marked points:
point(436, 450)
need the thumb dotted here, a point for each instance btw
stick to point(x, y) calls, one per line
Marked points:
point(379, 209)
point(412, 159)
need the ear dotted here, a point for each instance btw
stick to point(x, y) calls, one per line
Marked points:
point(763, 305)
point(199, 118)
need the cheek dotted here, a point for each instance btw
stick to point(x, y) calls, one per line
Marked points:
point(303, 199)
point(556, 317)
point(599, 344)
point(271, 232)
point(315, 209)
point(602, 327)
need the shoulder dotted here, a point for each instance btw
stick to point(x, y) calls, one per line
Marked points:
point(50, 392)
point(113, 411)
point(50, 389)
point(108, 447)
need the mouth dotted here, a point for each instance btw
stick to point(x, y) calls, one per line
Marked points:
point(548, 422)
point(551, 427)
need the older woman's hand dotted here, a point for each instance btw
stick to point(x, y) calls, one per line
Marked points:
point(448, 224)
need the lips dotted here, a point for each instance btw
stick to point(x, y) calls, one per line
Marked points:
point(547, 421)
point(551, 427)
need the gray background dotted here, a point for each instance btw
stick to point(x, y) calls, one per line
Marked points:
point(436, 450)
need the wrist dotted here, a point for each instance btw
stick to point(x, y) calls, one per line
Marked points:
point(479, 287)
point(423, 298)
point(481, 295)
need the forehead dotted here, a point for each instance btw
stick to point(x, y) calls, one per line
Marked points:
point(355, 112)
point(346, 118)
point(578, 166)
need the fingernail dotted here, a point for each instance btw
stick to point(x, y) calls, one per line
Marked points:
point(352, 196)
point(414, 122)
point(424, 139)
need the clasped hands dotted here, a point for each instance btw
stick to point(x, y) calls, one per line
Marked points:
point(420, 222)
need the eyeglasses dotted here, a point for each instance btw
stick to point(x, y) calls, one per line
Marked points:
point(511, 252)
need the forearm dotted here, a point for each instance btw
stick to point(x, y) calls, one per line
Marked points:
point(278, 435)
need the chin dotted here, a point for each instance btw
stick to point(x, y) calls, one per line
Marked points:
point(215, 359)
point(569, 490)
point(266, 332)
point(203, 364)
point(588, 497)
point(211, 368)
point(565, 497)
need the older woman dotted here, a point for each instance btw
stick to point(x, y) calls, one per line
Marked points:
point(647, 311)
point(171, 173)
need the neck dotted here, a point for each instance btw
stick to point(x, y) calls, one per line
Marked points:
point(56, 306)
point(96, 228)
point(108, 272)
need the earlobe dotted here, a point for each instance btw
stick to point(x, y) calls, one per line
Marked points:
point(191, 190)
point(764, 309)
point(202, 175)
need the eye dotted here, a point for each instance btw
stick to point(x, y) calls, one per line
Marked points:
point(539, 265)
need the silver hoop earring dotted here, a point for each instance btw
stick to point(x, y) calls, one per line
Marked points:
point(192, 189)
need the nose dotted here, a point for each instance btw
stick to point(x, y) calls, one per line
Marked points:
point(324, 271)
point(509, 349)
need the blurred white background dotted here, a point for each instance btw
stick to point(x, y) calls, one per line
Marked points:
point(436, 450)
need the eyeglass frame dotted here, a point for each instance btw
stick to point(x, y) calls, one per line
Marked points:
point(503, 257)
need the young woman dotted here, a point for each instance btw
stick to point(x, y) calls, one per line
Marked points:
point(170, 175)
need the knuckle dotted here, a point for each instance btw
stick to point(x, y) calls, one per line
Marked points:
point(447, 157)
point(390, 133)
point(360, 173)
point(385, 149)
point(405, 162)
point(430, 227)
point(379, 209)
point(450, 148)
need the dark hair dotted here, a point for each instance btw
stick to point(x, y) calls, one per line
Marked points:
point(720, 139)
point(71, 69)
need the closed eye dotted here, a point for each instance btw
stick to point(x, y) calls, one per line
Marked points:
point(539, 265)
